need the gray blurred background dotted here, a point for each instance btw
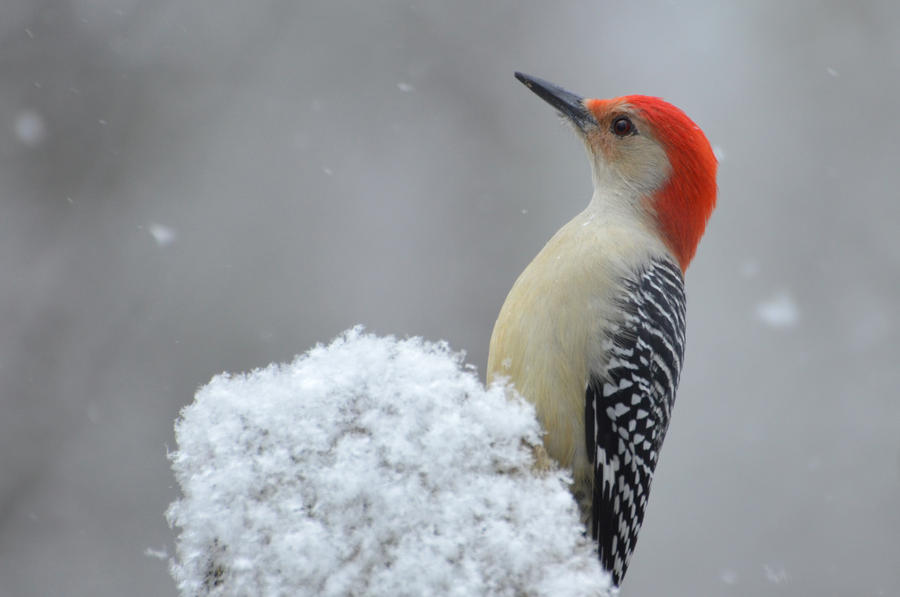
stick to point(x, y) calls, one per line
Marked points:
point(192, 187)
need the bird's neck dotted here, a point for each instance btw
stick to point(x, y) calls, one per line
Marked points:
point(618, 205)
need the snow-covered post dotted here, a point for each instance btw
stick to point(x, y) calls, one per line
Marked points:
point(372, 466)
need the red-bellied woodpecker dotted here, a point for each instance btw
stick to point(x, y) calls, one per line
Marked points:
point(592, 331)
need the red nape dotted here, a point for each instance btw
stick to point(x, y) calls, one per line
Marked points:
point(683, 205)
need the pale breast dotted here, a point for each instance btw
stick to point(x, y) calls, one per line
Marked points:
point(549, 334)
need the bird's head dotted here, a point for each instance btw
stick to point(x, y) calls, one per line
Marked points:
point(647, 153)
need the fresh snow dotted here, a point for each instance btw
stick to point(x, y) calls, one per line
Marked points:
point(372, 466)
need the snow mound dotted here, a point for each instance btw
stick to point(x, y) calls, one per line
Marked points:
point(372, 466)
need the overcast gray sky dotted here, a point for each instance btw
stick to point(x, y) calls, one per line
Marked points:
point(192, 187)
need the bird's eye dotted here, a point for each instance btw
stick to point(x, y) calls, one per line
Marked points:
point(622, 126)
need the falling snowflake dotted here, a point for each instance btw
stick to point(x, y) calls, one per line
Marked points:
point(163, 235)
point(30, 128)
point(778, 312)
point(719, 152)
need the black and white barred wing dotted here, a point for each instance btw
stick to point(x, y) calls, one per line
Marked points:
point(627, 407)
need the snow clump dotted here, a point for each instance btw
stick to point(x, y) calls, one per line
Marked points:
point(372, 466)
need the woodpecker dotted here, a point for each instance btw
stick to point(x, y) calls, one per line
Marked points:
point(592, 332)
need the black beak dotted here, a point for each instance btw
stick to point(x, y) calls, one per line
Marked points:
point(570, 105)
